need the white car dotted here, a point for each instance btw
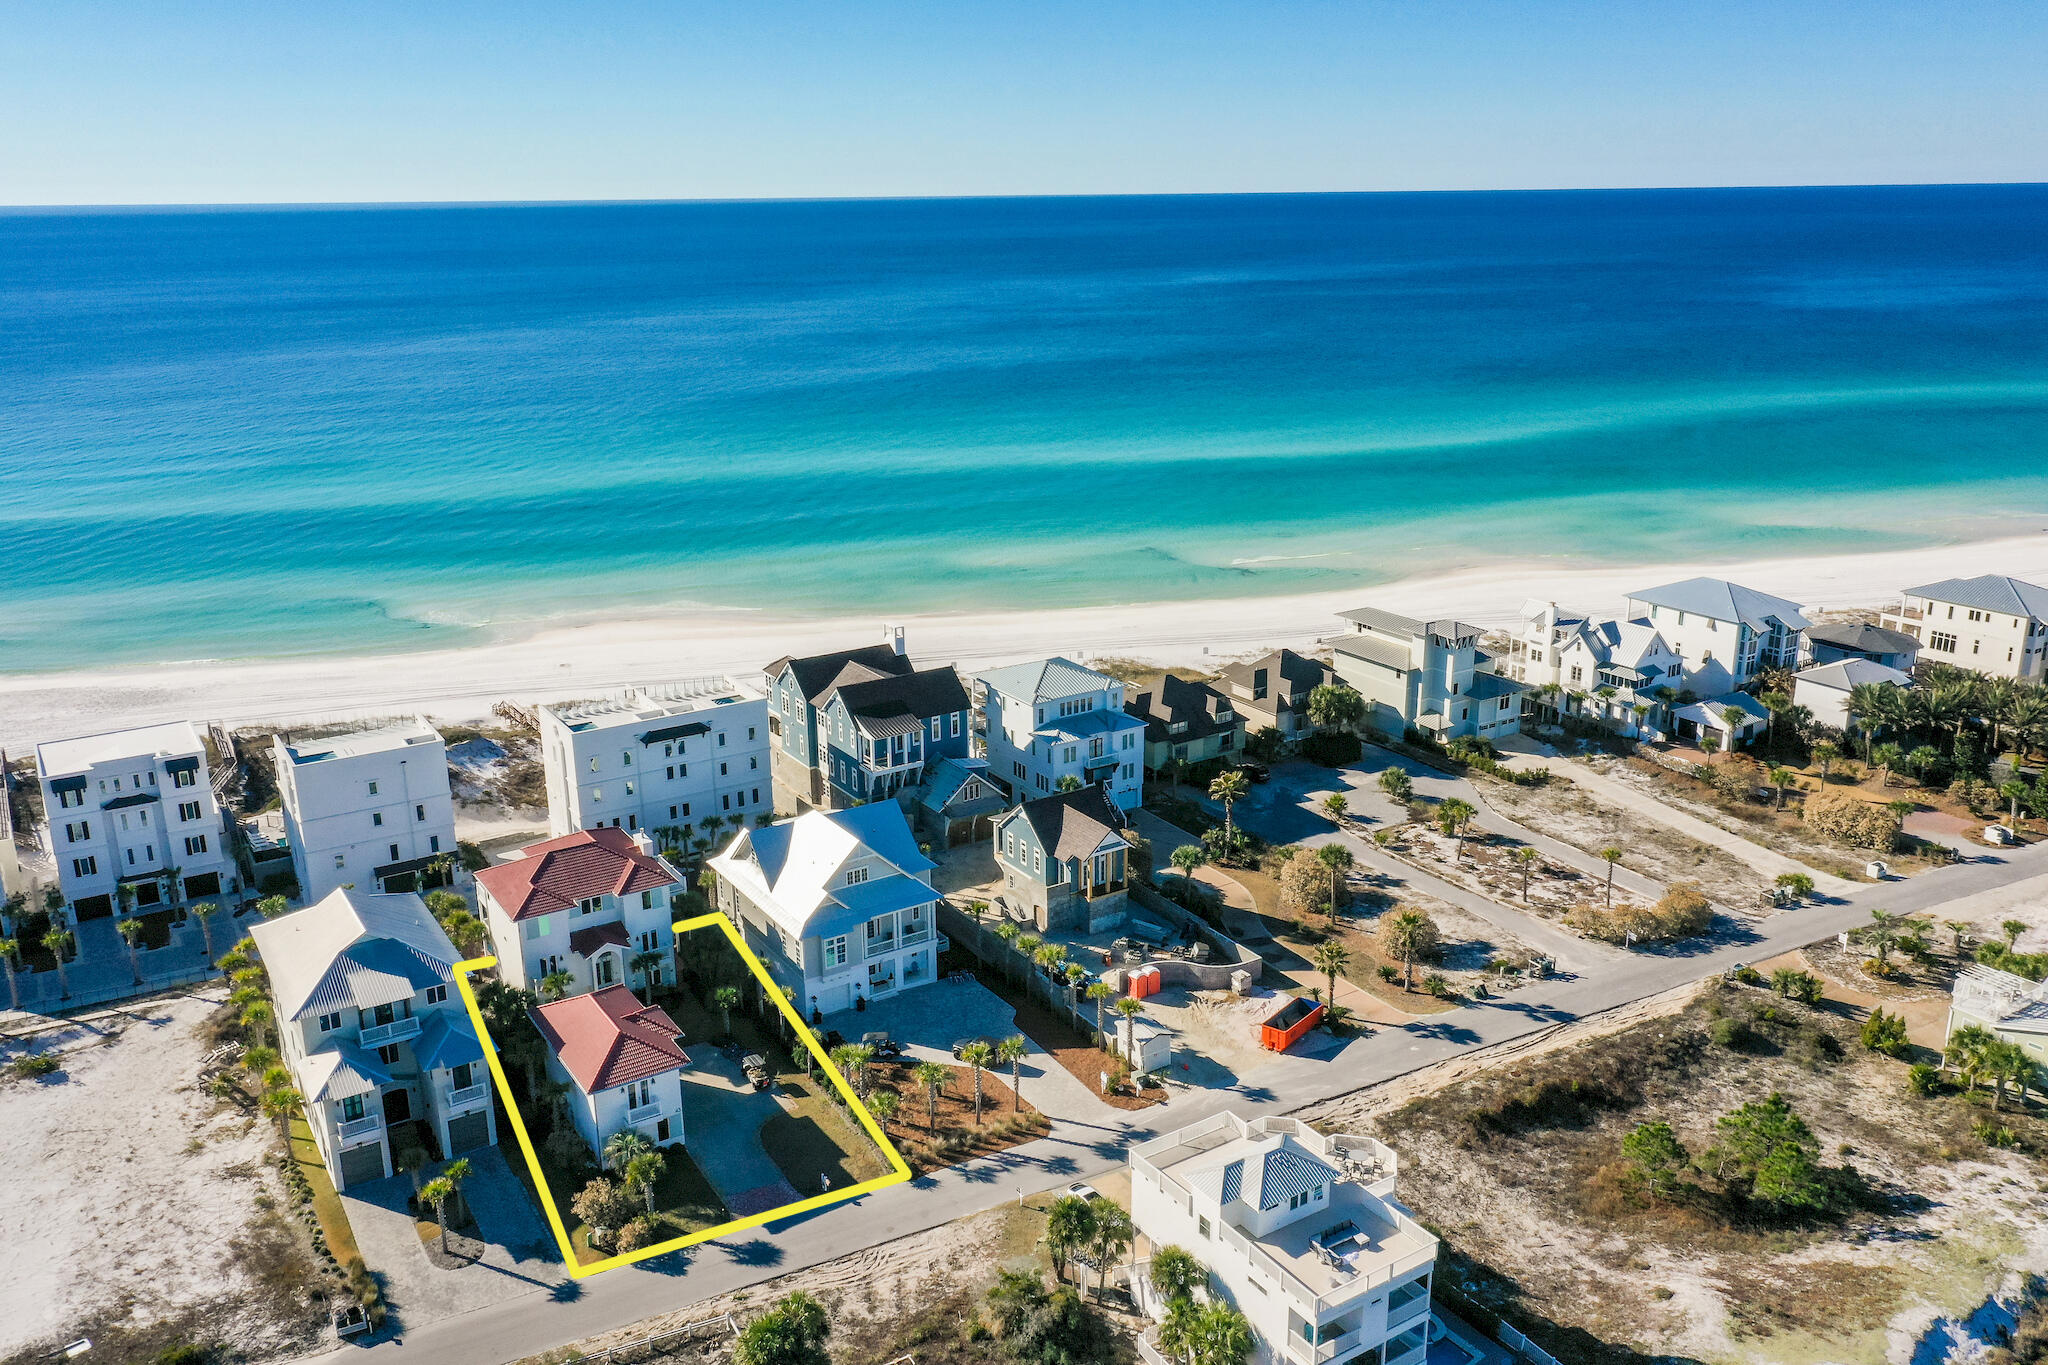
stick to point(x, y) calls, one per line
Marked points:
point(1081, 1189)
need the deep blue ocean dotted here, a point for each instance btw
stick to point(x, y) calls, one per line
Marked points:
point(231, 433)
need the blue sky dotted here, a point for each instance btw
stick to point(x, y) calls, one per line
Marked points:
point(352, 100)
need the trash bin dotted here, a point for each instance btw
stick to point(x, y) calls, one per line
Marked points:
point(1240, 982)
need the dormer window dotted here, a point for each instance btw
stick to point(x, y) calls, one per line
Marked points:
point(856, 875)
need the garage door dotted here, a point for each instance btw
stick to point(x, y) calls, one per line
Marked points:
point(467, 1132)
point(360, 1165)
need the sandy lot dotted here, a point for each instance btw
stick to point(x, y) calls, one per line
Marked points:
point(138, 1205)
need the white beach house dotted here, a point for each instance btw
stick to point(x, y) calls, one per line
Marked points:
point(594, 904)
point(660, 759)
point(369, 809)
point(1424, 675)
point(1300, 1231)
point(1041, 721)
point(1724, 634)
point(374, 1033)
point(133, 822)
point(1825, 688)
point(838, 904)
point(1619, 672)
point(622, 1061)
point(1990, 623)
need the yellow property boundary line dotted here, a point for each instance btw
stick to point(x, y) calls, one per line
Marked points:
point(899, 1172)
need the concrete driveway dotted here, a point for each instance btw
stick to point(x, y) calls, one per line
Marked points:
point(519, 1255)
point(927, 1020)
point(722, 1118)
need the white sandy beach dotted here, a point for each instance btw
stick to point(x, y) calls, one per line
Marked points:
point(584, 660)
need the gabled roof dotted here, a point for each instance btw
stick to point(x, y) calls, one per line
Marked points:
point(1844, 674)
point(816, 674)
point(1627, 643)
point(337, 1069)
point(1051, 679)
point(1389, 622)
point(790, 868)
point(1863, 638)
point(1989, 592)
point(608, 1038)
point(1071, 824)
point(1724, 601)
point(446, 1039)
point(1274, 1171)
point(1280, 665)
point(557, 873)
point(949, 776)
point(353, 950)
point(1178, 699)
point(884, 706)
point(1711, 713)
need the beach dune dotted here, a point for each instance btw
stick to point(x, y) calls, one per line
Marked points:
point(587, 659)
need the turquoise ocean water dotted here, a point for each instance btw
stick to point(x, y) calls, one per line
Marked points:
point(250, 433)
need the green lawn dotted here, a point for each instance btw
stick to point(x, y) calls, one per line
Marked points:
point(341, 1239)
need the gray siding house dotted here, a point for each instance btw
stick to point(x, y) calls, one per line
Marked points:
point(1065, 862)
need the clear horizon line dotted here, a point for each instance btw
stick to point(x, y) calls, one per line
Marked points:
point(348, 204)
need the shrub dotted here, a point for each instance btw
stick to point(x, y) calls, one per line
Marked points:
point(1731, 1033)
point(1332, 748)
point(1748, 976)
point(184, 1353)
point(1797, 985)
point(1682, 912)
point(1305, 888)
point(28, 1068)
point(1924, 1078)
point(1857, 824)
point(1734, 776)
point(1885, 1033)
point(636, 1234)
point(1994, 1134)
point(1389, 974)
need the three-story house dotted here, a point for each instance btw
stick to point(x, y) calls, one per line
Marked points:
point(594, 905)
point(1039, 722)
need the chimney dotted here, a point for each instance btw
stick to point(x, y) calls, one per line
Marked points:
point(893, 637)
point(642, 842)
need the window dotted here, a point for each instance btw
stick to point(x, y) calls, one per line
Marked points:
point(938, 727)
point(1069, 756)
point(85, 867)
point(188, 810)
point(750, 734)
point(341, 860)
point(725, 801)
point(1941, 640)
point(589, 905)
point(1038, 860)
point(377, 819)
point(721, 739)
point(437, 995)
point(351, 1108)
point(79, 832)
point(757, 796)
point(835, 951)
point(629, 789)
point(753, 763)
point(373, 789)
point(856, 875)
point(419, 812)
point(626, 759)
point(184, 778)
point(1203, 1226)
point(388, 1054)
point(722, 769)
point(956, 725)
point(462, 1075)
point(330, 1022)
point(195, 843)
point(1019, 769)
point(433, 843)
point(394, 853)
point(68, 799)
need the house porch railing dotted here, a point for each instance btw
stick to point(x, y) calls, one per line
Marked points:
point(397, 1031)
point(645, 1113)
point(362, 1127)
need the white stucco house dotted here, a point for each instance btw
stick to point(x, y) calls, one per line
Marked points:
point(622, 1061)
point(838, 904)
point(1426, 675)
point(1041, 721)
point(1724, 634)
point(1824, 689)
point(374, 1032)
point(591, 904)
point(659, 759)
point(1300, 1231)
point(1990, 623)
point(370, 809)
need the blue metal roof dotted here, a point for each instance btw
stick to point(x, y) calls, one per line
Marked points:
point(849, 907)
point(446, 1039)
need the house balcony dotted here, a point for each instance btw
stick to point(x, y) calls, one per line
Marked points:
point(466, 1096)
point(362, 1127)
point(1317, 1352)
point(397, 1031)
point(645, 1113)
point(916, 935)
point(1098, 889)
point(1408, 1313)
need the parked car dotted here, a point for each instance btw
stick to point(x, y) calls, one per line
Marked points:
point(885, 1048)
point(756, 1067)
point(961, 1045)
point(1081, 1189)
point(1257, 772)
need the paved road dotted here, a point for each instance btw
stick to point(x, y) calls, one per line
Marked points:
point(543, 1319)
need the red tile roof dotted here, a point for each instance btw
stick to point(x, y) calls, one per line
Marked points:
point(608, 1038)
point(556, 873)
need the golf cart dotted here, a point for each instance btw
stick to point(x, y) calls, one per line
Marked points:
point(756, 1067)
point(884, 1048)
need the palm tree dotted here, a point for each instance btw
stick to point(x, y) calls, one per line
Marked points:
point(131, 935)
point(977, 1056)
point(1331, 959)
point(1229, 789)
point(1099, 991)
point(1338, 859)
point(643, 1173)
point(1114, 1233)
point(1406, 933)
point(455, 1172)
point(2015, 792)
point(1958, 931)
point(556, 984)
point(1610, 856)
point(648, 964)
point(1176, 1274)
point(1776, 703)
point(258, 1060)
point(1007, 934)
point(204, 912)
point(853, 1060)
point(1220, 1335)
point(1882, 934)
point(1886, 757)
point(1396, 784)
point(258, 1018)
point(1186, 859)
point(1129, 1010)
point(932, 1077)
point(276, 1077)
point(411, 1159)
point(10, 958)
point(883, 1105)
point(725, 997)
point(270, 907)
point(57, 943)
point(1967, 1051)
point(2004, 1062)
point(1011, 1050)
point(1336, 805)
point(1825, 754)
point(1780, 778)
point(1452, 817)
point(621, 1147)
point(1525, 859)
point(2013, 929)
point(438, 1192)
point(279, 1104)
point(1069, 1227)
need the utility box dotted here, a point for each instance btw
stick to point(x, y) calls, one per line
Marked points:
point(1240, 983)
point(1145, 1047)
